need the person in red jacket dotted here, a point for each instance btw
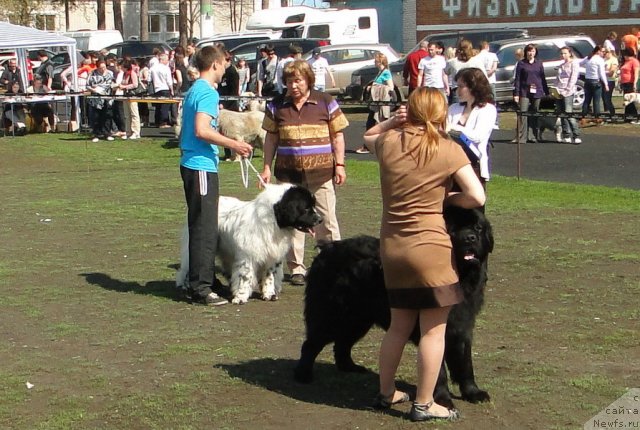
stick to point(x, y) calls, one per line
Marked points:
point(410, 71)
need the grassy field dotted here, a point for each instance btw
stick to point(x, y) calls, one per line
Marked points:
point(90, 316)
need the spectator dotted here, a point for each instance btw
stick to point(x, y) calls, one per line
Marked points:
point(490, 62)
point(230, 86)
point(145, 78)
point(320, 67)
point(595, 80)
point(295, 53)
point(244, 75)
point(312, 157)
point(14, 113)
point(42, 112)
point(630, 41)
point(410, 71)
point(183, 83)
point(629, 73)
point(380, 91)
point(129, 84)
point(610, 42)
point(473, 117)
point(421, 290)
point(10, 75)
point(119, 126)
point(266, 74)
point(199, 140)
point(530, 85)
point(100, 83)
point(611, 70)
point(155, 59)
point(431, 71)
point(464, 59)
point(160, 75)
point(45, 70)
point(191, 52)
point(568, 73)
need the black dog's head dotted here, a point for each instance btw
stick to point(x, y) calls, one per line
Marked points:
point(297, 209)
point(471, 235)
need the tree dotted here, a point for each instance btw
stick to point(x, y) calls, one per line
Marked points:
point(19, 11)
point(183, 22)
point(102, 14)
point(144, 19)
point(265, 4)
point(232, 11)
point(117, 16)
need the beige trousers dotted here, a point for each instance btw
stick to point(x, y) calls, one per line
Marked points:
point(132, 118)
point(327, 231)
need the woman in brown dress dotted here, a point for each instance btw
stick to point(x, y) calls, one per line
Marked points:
point(418, 165)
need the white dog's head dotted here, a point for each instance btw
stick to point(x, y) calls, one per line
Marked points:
point(632, 98)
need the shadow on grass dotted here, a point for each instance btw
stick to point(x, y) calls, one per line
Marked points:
point(330, 387)
point(166, 289)
point(171, 143)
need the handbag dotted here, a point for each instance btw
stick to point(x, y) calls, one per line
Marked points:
point(138, 91)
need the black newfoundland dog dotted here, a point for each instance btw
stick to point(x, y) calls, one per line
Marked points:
point(345, 297)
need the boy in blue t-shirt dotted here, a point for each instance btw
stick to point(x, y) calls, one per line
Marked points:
point(199, 171)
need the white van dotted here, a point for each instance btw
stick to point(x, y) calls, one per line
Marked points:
point(94, 40)
point(231, 40)
point(338, 25)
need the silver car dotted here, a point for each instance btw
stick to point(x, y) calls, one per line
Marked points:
point(345, 59)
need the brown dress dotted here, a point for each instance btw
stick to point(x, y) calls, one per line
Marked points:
point(416, 251)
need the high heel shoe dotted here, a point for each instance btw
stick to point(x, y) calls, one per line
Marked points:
point(421, 413)
point(385, 402)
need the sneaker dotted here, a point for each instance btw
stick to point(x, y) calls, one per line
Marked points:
point(95, 140)
point(635, 122)
point(134, 136)
point(496, 127)
point(297, 279)
point(110, 138)
point(558, 137)
point(362, 150)
point(124, 137)
point(577, 141)
point(567, 140)
point(215, 300)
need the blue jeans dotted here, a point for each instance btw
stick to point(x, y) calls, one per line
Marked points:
point(570, 126)
point(592, 91)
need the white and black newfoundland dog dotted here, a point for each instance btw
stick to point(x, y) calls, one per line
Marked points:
point(254, 237)
point(345, 296)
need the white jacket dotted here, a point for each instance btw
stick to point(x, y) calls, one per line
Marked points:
point(478, 129)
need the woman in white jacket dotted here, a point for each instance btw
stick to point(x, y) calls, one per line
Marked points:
point(471, 119)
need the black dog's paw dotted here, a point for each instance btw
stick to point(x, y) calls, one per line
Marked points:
point(303, 376)
point(443, 398)
point(475, 395)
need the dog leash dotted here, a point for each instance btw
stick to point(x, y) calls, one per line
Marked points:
point(245, 165)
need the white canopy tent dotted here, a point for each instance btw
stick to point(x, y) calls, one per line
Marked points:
point(20, 39)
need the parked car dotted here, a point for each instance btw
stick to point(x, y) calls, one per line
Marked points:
point(60, 63)
point(250, 52)
point(345, 59)
point(362, 77)
point(548, 52)
point(232, 40)
point(94, 40)
point(137, 48)
point(174, 41)
point(33, 57)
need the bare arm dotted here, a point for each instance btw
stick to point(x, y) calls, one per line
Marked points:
point(472, 194)
point(371, 135)
point(269, 151)
point(204, 131)
point(338, 154)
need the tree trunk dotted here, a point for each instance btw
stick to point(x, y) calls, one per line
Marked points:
point(102, 15)
point(183, 22)
point(117, 16)
point(284, 3)
point(144, 19)
point(265, 4)
point(67, 18)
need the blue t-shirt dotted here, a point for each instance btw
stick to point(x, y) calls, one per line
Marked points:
point(383, 77)
point(196, 153)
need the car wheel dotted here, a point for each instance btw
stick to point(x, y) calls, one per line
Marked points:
point(578, 96)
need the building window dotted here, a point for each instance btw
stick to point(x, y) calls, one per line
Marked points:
point(154, 23)
point(172, 23)
point(45, 22)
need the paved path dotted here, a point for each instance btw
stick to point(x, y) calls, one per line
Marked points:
point(604, 158)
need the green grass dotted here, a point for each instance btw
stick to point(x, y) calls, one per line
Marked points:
point(90, 316)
